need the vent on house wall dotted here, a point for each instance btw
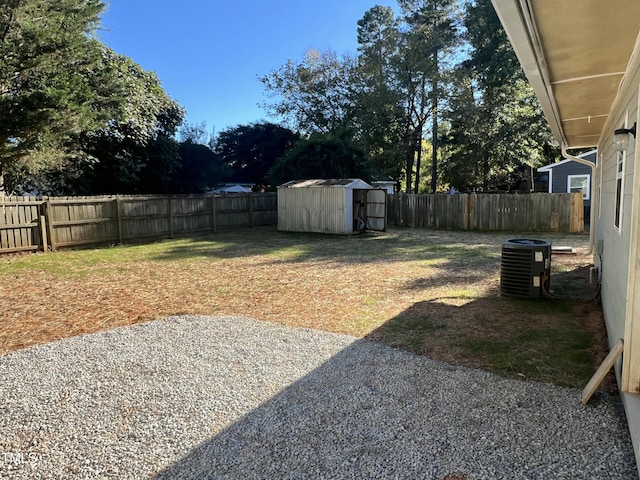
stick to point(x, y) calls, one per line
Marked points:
point(525, 270)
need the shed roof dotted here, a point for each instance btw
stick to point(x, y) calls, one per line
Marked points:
point(328, 183)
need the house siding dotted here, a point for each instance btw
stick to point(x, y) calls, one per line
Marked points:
point(620, 253)
point(616, 244)
point(561, 174)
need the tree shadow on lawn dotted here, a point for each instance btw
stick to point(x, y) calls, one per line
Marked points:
point(557, 340)
point(397, 244)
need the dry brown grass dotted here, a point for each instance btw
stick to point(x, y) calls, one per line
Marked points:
point(363, 285)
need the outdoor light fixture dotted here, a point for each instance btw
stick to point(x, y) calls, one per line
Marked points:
point(621, 138)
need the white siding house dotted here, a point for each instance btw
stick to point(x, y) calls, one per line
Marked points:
point(582, 58)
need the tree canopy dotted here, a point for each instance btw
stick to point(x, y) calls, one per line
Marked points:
point(433, 98)
point(49, 88)
point(498, 132)
point(322, 156)
point(75, 116)
point(250, 151)
point(441, 72)
point(315, 95)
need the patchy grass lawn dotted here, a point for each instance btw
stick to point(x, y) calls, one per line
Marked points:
point(431, 292)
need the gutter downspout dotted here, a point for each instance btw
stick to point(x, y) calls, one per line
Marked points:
point(592, 215)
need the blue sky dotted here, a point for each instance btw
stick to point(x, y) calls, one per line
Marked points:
point(208, 54)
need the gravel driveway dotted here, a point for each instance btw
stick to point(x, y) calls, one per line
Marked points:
point(231, 397)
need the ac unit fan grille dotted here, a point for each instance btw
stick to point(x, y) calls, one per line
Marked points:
point(515, 272)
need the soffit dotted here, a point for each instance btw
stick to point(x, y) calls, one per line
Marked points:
point(575, 53)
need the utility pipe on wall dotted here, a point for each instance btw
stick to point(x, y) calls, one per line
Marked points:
point(592, 215)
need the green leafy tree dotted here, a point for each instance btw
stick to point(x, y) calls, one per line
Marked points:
point(429, 69)
point(402, 78)
point(161, 164)
point(133, 147)
point(498, 129)
point(200, 168)
point(133, 152)
point(197, 133)
point(315, 95)
point(47, 90)
point(252, 150)
point(322, 156)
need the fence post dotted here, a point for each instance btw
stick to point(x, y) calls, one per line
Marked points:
point(576, 213)
point(213, 213)
point(555, 222)
point(43, 233)
point(48, 214)
point(466, 205)
point(170, 208)
point(472, 211)
point(119, 220)
point(250, 210)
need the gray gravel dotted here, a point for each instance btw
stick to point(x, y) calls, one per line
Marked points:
point(230, 397)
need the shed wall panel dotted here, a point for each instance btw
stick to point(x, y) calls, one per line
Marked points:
point(320, 210)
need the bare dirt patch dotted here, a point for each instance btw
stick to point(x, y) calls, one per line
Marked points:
point(435, 293)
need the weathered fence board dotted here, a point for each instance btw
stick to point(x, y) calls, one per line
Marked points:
point(19, 224)
point(29, 223)
point(82, 221)
point(539, 212)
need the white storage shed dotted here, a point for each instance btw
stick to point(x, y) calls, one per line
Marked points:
point(340, 206)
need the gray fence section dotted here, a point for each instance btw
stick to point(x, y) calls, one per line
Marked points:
point(536, 212)
point(30, 223)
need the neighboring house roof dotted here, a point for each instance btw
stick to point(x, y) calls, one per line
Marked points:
point(590, 156)
point(328, 183)
point(235, 189)
point(384, 182)
point(575, 67)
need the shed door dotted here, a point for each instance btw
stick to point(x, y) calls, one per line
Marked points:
point(376, 209)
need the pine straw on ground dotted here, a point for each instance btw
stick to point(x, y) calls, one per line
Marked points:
point(323, 295)
point(339, 287)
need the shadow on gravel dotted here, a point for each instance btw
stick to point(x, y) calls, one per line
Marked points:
point(236, 398)
point(371, 411)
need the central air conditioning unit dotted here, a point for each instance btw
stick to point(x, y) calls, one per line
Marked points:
point(525, 270)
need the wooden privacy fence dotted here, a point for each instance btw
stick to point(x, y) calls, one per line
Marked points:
point(32, 223)
point(535, 212)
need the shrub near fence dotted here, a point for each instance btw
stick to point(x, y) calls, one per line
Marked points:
point(30, 223)
point(537, 212)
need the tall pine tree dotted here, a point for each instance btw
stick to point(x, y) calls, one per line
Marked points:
point(47, 48)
